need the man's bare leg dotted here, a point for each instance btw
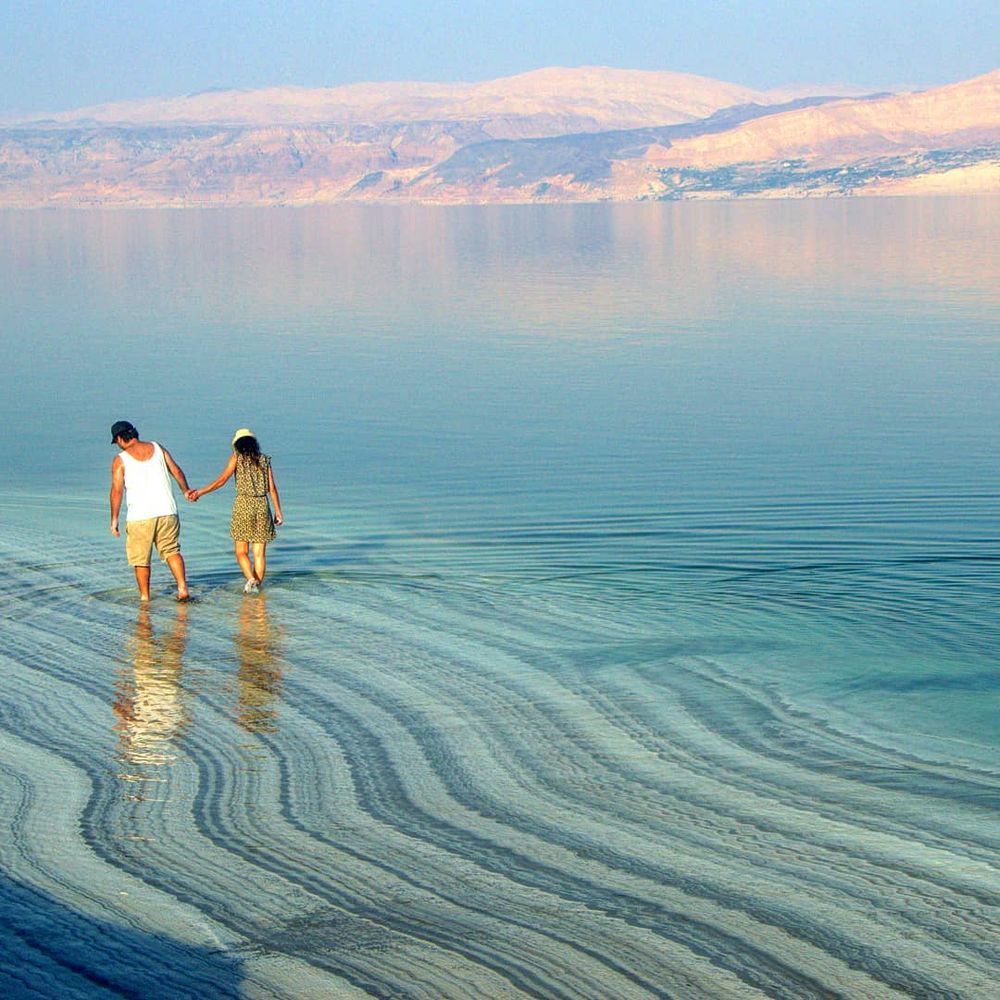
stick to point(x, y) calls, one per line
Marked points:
point(176, 564)
point(260, 560)
point(142, 582)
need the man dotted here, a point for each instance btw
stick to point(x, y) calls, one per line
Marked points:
point(140, 470)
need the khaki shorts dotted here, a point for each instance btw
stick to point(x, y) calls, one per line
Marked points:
point(141, 536)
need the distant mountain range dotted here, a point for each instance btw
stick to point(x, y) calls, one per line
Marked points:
point(590, 134)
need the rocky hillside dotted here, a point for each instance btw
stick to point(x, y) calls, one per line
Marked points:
point(552, 135)
point(874, 146)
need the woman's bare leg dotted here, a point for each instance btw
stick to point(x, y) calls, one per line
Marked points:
point(260, 560)
point(244, 560)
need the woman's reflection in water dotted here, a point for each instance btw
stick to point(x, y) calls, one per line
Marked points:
point(150, 700)
point(258, 652)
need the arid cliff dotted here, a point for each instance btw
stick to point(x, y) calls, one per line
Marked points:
point(591, 134)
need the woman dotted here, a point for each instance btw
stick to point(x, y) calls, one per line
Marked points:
point(252, 526)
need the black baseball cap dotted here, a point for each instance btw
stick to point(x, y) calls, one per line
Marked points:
point(123, 429)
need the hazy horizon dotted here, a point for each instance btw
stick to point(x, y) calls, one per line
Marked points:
point(58, 59)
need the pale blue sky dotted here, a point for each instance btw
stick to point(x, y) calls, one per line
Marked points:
point(58, 54)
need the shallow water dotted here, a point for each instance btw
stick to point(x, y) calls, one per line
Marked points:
point(633, 632)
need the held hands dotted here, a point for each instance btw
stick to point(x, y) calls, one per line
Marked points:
point(192, 495)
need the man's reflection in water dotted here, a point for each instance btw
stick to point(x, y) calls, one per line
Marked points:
point(150, 701)
point(258, 652)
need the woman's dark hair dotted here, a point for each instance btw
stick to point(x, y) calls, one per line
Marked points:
point(249, 448)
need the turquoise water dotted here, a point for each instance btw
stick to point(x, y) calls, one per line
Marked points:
point(633, 631)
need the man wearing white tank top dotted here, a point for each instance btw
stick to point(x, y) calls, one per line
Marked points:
point(139, 471)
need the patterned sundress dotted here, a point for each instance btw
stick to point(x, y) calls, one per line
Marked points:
point(252, 520)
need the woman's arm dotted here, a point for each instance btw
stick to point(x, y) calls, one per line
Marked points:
point(224, 477)
point(272, 488)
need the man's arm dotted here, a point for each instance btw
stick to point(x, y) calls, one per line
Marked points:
point(176, 471)
point(117, 491)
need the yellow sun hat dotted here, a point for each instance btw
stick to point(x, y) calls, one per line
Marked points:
point(243, 432)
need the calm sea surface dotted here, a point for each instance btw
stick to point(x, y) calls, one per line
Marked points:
point(634, 630)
